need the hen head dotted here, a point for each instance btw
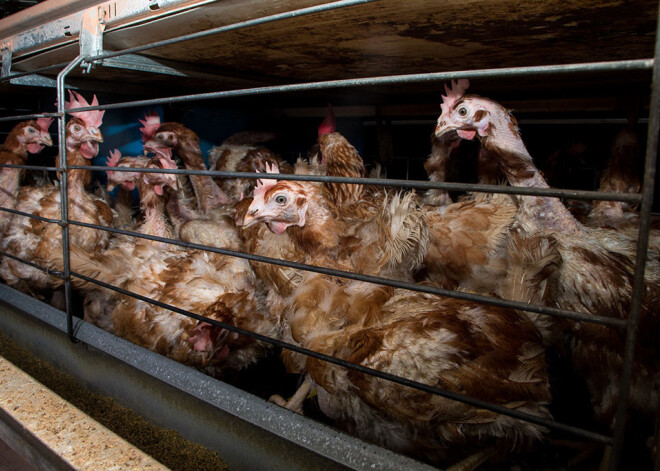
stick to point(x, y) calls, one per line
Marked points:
point(162, 142)
point(158, 181)
point(82, 130)
point(124, 179)
point(171, 136)
point(80, 137)
point(279, 204)
point(33, 135)
point(468, 115)
point(127, 180)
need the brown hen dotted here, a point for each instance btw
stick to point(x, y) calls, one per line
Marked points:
point(597, 266)
point(37, 240)
point(456, 345)
point(26, 137)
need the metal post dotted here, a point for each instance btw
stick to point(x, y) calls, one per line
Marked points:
point(64, 200)
point(642, 247)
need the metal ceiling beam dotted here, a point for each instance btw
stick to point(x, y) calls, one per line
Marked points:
point(58, 22)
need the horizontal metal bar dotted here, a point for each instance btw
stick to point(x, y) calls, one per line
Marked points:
point(31, 216)
point(25, 117)
point(56, 273)
point(32, 167)
point(551, 424)
point(594, 67)
point(16, 75)
point(418, 184)
point(578, 316)
point(521, 121)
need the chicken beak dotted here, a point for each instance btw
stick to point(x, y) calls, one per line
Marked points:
point(93, 134)
point(254, 214)
point(443, 128)
point(249, 220)
point(46, 140)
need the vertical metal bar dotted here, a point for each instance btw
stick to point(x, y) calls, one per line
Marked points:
point(64, 200)
point(642, 247)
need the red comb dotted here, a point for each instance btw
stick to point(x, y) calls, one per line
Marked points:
point(263, 185)
point(150, 123)
point(453, 94)
point(329, 124)
point(92, 119)
point(113, 160)
point(44, 123)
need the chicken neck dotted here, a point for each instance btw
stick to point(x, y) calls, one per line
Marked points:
point(208, 194)
point(504, 143)
point(320, 237)
point(76, 176)
point(155, 222)
point(9, 180)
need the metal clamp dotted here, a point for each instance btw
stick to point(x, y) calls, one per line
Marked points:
point(6, 58)
point(91, 36)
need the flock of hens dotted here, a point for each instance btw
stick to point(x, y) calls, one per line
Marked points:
point(522, 248)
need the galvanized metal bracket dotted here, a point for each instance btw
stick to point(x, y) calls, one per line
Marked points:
point(6, 58)
point(91, 35)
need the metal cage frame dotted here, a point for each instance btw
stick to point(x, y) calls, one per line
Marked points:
point(631, 326)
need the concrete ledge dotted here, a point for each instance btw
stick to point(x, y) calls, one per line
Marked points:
point(50, 433)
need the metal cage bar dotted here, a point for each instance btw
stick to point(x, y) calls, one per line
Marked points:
point(64, 195)
point(642, 249)
point(415, 184)
point(591, 67)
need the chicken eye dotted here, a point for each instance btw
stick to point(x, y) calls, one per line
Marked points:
point(31, 130)
point(280, 199)
point(76, 127)
point(462, 111)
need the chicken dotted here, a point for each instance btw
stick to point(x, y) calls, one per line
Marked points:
point(397, 227)
point(217, 286)
point(437, 165)
point(447, 157)
point(277, 282)
point(210, 229)
point(622, 175)
point(36, 240)
point(596, 271)
point(26, 137)
point(490, 353)
point(235, 154)
point(341, 160)
point(151, 187)
point(99, 303)
point(174, 137)
point(87, 149)
point(467, 244)
point(467, 239)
